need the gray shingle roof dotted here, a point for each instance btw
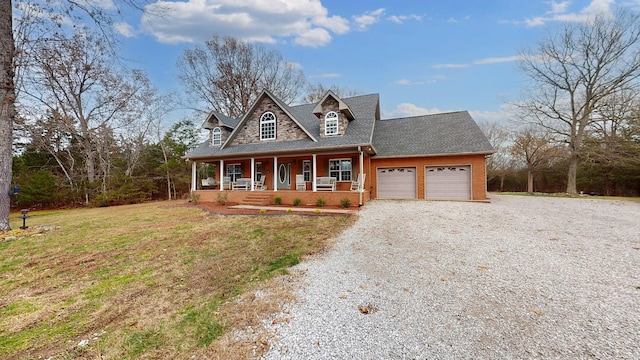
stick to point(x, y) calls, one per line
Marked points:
point(448, 133)
point(358, 132)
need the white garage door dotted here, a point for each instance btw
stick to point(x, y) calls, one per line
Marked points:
point(397, 183)
point(448, 182)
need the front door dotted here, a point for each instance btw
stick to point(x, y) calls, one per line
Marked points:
point(284, 176)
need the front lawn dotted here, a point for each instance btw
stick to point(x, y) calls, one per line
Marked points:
point(142, 281)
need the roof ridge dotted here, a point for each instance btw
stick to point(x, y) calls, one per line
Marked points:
point(425, 115)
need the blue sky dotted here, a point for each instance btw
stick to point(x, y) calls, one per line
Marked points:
point(422, 56)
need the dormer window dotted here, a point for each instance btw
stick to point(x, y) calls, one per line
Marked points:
point(267, 126)
point(216, 137)
point(331, 123)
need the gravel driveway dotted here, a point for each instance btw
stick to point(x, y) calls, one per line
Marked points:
point(520, 277)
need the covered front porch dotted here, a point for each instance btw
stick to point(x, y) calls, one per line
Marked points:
point(299, 179)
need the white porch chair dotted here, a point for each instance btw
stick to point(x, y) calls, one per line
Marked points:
point(358, 185)
point(301, 185)
point(227, 182)
point(259, 184)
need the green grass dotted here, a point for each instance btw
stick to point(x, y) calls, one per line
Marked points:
point(153, 278)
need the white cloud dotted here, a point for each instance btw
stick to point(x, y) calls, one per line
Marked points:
point(457, 20)
point(313, 37)
point(504, 115)
point(306, 22)
point(124, 29)
point(368, 18)
point(558, 7)
point(407, 82)
point(450, 66)
point(558, 12)
point(408, 109)
point(399, 19)
point(497, 60)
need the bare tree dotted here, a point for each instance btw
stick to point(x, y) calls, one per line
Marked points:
point(316, 91)
point(7, 109)
point(59, 11)
point(500, 162)
point(533, 148)
point(229, 74)
point(574, 71)
point(95, 99)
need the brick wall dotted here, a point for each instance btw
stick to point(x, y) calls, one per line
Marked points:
point(477, 162)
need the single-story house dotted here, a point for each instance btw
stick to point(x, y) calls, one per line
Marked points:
point(338, 148)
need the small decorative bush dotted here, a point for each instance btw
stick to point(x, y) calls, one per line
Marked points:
point(289, 210)
point(345, 202)
point(297, 201)
point(194, 198)
point(320, 202)
point(222, 198)
point(277, 200)
point(262, 211)
point(318, 212)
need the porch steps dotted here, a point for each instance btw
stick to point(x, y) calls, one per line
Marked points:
point(256, 199)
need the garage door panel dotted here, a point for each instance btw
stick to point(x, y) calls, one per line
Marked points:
point(396, 183)
point(448, 182)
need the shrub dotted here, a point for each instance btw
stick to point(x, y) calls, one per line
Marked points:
point(222, 198)
point(289, 210)
point(320, 202)
point(277, 200)
point(262, 211)
point(345, 202)
point(194, 198)
point(318, 212)
point(297, 201)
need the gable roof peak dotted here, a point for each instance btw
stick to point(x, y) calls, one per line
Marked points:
point(279, 103)
point(342, 106)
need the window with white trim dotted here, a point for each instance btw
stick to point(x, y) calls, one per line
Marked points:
point(306, 170)
point(331, 123)
point(216, 137)
point(340, 169)
point(267, 126)
point(234, 171)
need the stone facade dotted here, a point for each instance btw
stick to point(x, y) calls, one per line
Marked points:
point(286, 128)
point(224, 134)
point(331, 104)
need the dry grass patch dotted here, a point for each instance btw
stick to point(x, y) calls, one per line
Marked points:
point(146, 281)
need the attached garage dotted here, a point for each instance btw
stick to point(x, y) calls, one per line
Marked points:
point(448, 182)
point(397, 183)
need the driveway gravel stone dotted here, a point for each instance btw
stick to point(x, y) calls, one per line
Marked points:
point(520, 277)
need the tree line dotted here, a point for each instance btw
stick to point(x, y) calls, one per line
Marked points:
point(579, 116)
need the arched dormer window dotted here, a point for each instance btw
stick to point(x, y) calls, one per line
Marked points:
point(216, 137)
point(331, 123)
point(267, 126)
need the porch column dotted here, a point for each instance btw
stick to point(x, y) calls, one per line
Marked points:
point(193, 176)
point(362, 170)
point(313, 166)
point(253, 172)
point(221, 175)
point(275, 173)
point(361, 190)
